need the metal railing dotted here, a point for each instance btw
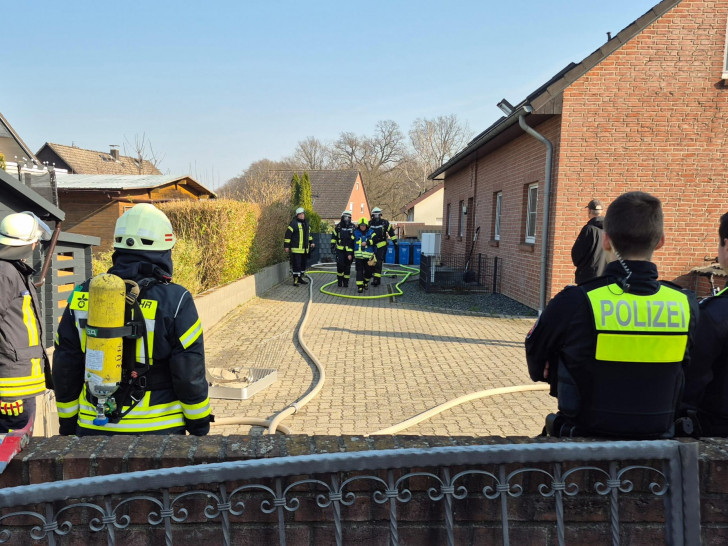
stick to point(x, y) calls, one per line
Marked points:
point(458, 273)
point(323, 487)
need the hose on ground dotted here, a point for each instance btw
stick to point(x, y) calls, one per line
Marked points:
point(456, 402)
point(252, 421)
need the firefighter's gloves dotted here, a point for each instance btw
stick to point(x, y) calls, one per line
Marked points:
point(11, 409)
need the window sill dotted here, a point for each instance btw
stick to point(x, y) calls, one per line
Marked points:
point(494, 243)
point(527, 247)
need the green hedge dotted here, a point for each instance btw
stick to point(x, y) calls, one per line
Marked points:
point(219, 241)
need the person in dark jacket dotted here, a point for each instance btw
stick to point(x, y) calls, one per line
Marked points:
point(22, 355)
point(706, 387)
point(342, 245)
point(365, 240)
point(168, 394)
point(588, 253)
point(614, 349)
point(382, 229)
point(297, 243)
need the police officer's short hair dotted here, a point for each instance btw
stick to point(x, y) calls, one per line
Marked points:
point(634, 223)
point(723, 229)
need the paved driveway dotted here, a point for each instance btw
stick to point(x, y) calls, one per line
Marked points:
point(385, 362)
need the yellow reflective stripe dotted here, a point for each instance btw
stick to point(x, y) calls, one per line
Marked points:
point(191, 335)
point(35, 370)
point(666, 311)
point(56, 338)
point(196, 411)
point(29, 387)
point(29, 320)
point(149, 308)
point(641, 348)
point(143, 418)
point(67, 409)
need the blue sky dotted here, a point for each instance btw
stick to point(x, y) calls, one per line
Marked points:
point(217, 85)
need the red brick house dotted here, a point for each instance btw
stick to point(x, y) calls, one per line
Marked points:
point(646, 111)
point(335, 190)
point(93, 203)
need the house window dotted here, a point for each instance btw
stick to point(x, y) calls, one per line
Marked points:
point(447, 223)
point(351, 206)
point(461, 225)
point(531, 213)
point(126, 208)
point(357, 185)
point(498, 201)
point(362, 208)
point(725, 56)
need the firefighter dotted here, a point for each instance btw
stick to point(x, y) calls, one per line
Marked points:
point(297, 243)
point(22, 355)
point(383, 229)
point(364, 247)
point(614, 348)
point(342, 245)
point(164, 388)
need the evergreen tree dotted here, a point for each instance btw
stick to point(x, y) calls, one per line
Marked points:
point(306, 197)
point(295, 191)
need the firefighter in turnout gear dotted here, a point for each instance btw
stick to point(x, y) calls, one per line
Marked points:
point(614, 348)
point(382, 229)
point(364, 246)
point(297, 243)
point(22, 356)
point(342, 245)
point(163, 387)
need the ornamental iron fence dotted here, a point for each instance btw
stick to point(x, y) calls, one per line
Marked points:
point(449, 488)
point(456, 273)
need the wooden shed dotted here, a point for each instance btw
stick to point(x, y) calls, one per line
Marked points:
point(93, 203)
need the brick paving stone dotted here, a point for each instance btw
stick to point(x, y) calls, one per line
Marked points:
point(384, 363)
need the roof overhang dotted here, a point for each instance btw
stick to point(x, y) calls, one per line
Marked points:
point(36, 203)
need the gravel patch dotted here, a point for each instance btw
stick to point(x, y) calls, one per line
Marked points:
point(486, 304)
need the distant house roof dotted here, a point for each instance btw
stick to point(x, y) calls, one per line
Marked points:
point(428, 193)
point(330, 189)
point(11, 144)
point(82, 161)
point(19, 196)
point(125, 182)
point(547, 99)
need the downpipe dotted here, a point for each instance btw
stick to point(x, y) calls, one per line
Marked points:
point(546, 205)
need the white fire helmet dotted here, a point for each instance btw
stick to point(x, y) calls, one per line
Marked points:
point(22, 229)
point(144, 227)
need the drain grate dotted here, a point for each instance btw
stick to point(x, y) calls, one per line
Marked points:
point(239, 383)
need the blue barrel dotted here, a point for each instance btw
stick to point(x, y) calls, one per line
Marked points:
point(389, 258)
point(416, 252)
point(404, 252)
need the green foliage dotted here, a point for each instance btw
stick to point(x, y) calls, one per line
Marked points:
point(101, 262)
point(306, 197)
point(295, 191)
point(314, 222)
point(216, 241)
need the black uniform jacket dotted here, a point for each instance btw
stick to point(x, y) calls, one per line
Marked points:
point(587, 254)
point(177, 378)
point(706, 386)
point(624, 399)
point(21, 333)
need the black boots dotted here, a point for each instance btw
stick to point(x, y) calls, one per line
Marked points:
point(377, 281)
point(340, 282)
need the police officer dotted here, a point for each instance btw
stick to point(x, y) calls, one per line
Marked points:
point(342, 244)
point(382, 229)
point(706, 386)
point(22, 356)
point(297, 242)
point(614, 348)
point(167, 394)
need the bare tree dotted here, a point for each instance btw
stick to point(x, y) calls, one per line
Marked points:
point(312, 154)
point(434, 141)
point(262, 182)
point(145, 158)
point(348, 151)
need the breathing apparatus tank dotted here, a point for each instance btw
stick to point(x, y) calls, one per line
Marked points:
point(107, 304)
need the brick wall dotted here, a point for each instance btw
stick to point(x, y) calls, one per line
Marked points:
point(651, 117)
point(509, 169)
point(421, 520)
